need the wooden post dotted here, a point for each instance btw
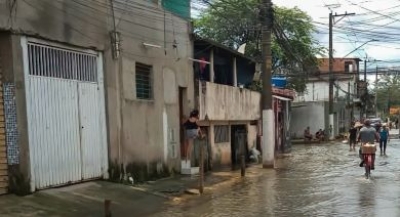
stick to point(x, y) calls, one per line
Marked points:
point(235, 83)
point(107, 210)
point(212, 72)
point(242, 157)
point(201, 181)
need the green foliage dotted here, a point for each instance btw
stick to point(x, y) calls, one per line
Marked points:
point(237, 22)
point(388, 92)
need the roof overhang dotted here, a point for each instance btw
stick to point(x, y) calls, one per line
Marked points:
point(281, 98)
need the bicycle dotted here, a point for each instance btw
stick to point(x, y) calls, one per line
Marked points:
point(368, 152)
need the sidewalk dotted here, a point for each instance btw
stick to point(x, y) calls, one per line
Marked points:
point(394, 133)
point(87, 199)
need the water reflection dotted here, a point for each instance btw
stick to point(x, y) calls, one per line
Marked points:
point(321, 180)
point(366, 200)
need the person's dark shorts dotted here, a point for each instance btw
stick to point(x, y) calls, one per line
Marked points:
point(353, 141)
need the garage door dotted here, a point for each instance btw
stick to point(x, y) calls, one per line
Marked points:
point(66, 115)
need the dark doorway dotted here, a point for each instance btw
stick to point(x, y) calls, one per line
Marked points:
point(238, 139)
point(183, 118)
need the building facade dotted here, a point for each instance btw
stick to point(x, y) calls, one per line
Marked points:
point(229, 110)
point(311, 107)
point(92, 90)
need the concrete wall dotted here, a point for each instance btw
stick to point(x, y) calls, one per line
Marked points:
point(220, 152)
point(312, 114)
point(223, 102)
point(252, 131)
point(139, 131)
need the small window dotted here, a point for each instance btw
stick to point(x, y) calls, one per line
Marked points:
point(221, 134)
point(348, 66)
point(144, 89)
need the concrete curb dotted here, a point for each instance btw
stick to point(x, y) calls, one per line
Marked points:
point(189, 190)
point(154, 193)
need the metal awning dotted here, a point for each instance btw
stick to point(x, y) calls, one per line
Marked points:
point(281, 98)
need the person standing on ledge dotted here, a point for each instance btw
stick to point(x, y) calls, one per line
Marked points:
point(192, 132)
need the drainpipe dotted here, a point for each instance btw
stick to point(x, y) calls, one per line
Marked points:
point(212, 73)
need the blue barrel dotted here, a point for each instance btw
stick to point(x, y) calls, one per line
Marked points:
point(279, 82)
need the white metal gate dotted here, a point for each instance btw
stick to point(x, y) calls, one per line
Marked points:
point(66, 114)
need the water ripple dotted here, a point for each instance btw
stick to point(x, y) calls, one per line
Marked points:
point(320, 180)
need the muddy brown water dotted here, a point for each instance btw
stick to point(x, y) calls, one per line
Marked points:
point(317, 180)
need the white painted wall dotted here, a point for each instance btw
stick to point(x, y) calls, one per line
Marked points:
point(319, 91)
point(306, 114)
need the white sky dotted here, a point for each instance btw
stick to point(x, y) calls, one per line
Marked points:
point(378, 22)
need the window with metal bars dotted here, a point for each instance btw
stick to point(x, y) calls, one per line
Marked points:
point(144, 89)
point(47, 61)
point(221, 134)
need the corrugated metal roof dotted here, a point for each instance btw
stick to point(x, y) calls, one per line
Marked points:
point(198, 39)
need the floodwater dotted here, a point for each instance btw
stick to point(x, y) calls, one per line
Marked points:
point(317, 180)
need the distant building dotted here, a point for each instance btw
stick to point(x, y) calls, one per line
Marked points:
point(315, 100)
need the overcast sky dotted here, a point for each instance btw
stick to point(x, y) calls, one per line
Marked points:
point(374, 20)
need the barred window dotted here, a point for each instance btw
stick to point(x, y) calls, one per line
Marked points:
point(221, 134)
point(144, 89)
point(48, 61)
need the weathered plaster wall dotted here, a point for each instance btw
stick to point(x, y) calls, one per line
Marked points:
point(63, 21)
point(148, 123)
point(252, 136)
point(220, 152)
point(224, 102)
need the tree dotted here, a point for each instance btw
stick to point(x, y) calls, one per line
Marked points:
point(388, 92)
point(237, 22)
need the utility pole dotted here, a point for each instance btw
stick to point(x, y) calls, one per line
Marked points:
point(364, 91)
point(331, 74)
point(116, 52)
point(365, 68)
point(268, 136)
point(376, 92)
point(331, 80)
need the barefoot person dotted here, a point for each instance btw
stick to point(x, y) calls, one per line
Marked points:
point(192, 132)
point(384, 134)
point(353, 137)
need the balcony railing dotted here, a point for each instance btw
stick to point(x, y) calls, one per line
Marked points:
point(221, 102)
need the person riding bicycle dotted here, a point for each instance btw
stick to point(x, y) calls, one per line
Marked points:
point(367, 134)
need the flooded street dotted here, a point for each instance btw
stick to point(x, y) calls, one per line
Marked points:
point(317, 180)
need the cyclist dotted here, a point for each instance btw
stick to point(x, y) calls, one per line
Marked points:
point(367, 134)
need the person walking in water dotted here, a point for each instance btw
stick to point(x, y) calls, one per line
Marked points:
point(353, 137)
point(384, 134)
